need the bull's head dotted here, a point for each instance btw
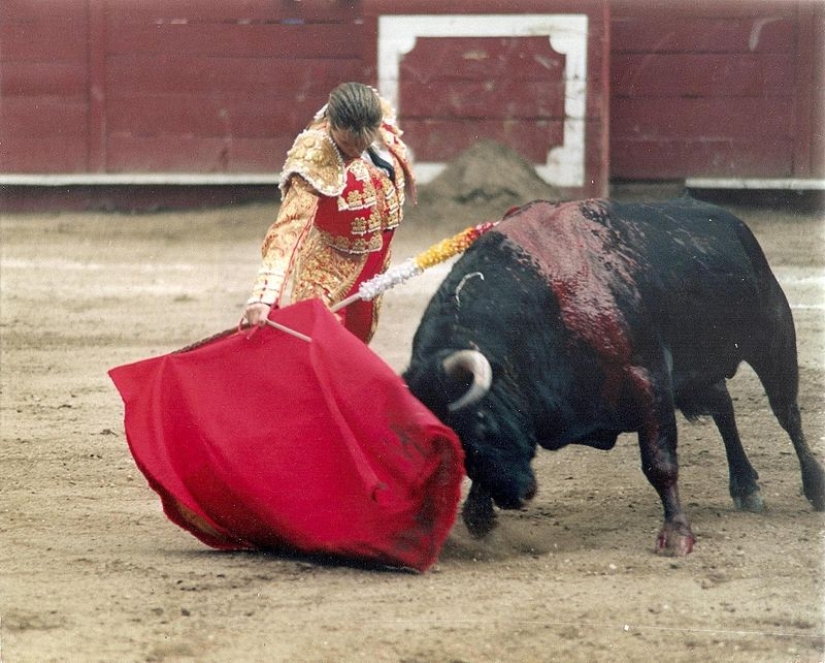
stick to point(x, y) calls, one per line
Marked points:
point(460, 388)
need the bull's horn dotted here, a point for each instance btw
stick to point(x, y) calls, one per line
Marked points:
point(471, 361)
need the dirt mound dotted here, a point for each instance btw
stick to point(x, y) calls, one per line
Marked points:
point(482, 183)
point(488, 172)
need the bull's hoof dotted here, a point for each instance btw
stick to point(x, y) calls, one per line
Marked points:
point(813, 485)
point(479, 517)
point(675, 540)
point(815, 497)
point(751, 502)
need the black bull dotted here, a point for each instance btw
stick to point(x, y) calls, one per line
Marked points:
point(572, 323)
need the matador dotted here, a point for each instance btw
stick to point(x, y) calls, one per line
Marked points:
point(336, 220)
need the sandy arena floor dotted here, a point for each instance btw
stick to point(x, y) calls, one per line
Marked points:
point(91, 570)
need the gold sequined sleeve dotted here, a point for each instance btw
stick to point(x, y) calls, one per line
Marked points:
point(283, 240)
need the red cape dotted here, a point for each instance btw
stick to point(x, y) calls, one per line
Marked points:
point(266, 441)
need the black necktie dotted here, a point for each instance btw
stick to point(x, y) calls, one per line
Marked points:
point(383, 164)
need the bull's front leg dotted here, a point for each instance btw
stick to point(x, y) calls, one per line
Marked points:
point(661, 469)
point(657, 442)
point(478, 513)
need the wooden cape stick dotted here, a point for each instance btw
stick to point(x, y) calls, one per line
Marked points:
point(239, 330)
point(289, 330)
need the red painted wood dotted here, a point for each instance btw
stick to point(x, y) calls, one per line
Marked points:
point(685, 9)
point(699, 87)
point(253, 155)
point(97, 10)
point(254, 40)
point(714, 88)
point(505, 99)
point(456, 91)
point(36, 79)
point(373, 7)
point(64, 153)
point(482, 59)
point(704, 75)
point(597, 166)
point(45, 117)
point(640, 32)
point(195, 154)
point(817, 141)
point(481, 79)
point(137, 198)
point(134, 75)
point(43, 86)
point(760, 156)
point(36, 11)
point(46, 39)
point(440, 140)
point(193, 85)
point(809, 82)
point(237, 11)
point(211, 114)
point(671, 118)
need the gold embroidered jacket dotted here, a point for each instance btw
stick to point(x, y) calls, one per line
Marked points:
point(333, 214)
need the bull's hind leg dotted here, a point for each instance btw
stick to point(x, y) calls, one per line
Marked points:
point(778, 371)
point(813, 476)
point(716, 402)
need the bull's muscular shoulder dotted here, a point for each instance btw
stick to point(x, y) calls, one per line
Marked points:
point(543, 216)
point(585, 263)
point(563, 239)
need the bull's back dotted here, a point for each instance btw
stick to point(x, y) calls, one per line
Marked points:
point(713, 292)
point(688, 274)
point(598, 243)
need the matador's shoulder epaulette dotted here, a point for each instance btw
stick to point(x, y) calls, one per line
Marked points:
point(314, 157)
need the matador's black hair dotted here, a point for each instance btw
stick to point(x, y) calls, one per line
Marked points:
point(354, 107)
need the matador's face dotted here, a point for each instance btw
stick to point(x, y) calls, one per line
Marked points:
point(350, 144)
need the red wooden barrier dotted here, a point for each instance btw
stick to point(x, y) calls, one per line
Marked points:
point(531, 74)
point(98, 88)
point(715, 89)
point(139, 86)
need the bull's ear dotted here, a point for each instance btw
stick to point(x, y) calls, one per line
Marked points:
point(464, 364)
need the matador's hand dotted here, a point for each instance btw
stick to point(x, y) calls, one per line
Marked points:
point(257, 313)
